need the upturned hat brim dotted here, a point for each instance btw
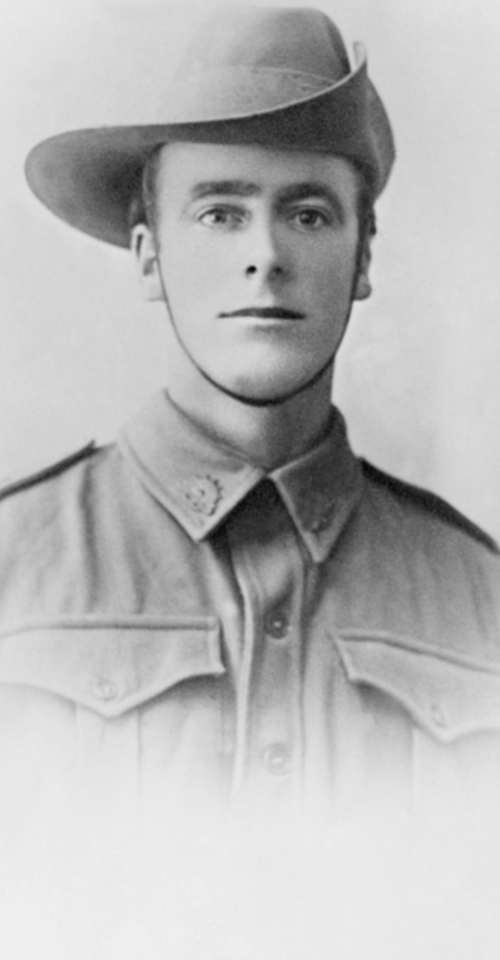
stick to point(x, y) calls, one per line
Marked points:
point(88, 177)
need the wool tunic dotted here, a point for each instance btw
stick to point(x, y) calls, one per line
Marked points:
point(186, 640)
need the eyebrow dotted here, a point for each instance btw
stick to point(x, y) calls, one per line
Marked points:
point(218, 188)
point(243, 188)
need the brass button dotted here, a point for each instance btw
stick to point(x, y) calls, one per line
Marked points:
point(277, 759)
point(276, 624)
point(105, 690)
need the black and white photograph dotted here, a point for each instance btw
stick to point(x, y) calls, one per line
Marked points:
point(250, 480)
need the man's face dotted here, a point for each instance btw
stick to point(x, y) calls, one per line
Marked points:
point(256, 253)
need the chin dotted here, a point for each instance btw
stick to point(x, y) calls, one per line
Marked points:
point(267, 390)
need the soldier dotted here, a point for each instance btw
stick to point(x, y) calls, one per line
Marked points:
point(226, 614)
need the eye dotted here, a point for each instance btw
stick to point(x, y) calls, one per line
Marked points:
point(311, 218)
point(221, 217)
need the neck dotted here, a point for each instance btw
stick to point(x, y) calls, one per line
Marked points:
point(267, 436)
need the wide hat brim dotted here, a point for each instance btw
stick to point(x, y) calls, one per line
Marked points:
point(88, 177)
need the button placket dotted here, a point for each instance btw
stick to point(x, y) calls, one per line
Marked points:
point(269, 569)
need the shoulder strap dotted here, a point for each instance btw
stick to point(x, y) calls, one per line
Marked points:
point(14, 486)
point(429, 502)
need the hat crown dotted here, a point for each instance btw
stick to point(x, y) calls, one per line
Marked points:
point(294, 40)
point(276, 77)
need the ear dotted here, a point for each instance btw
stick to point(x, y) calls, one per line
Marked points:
point(144, 249)
point(363, 287)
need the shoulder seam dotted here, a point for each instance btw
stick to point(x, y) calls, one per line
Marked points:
point(46, 473)
point(430, 502)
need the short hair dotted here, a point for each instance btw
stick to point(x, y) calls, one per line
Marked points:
point(365, 205)
point(143, 207)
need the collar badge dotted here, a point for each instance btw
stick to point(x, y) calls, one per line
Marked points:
point(316, 509)
point(203, 494)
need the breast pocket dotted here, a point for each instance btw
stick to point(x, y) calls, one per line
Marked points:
point(108, 710)
point(449, 707)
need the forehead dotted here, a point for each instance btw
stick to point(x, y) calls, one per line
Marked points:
point(184, 167)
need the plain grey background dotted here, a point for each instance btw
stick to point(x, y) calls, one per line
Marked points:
point(419, 373)
point(418, 376)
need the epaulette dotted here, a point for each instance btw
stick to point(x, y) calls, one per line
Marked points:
point(431, 503)
point(14, 486)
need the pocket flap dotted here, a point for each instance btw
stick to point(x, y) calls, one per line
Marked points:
point(110, 666)
point(448, 694)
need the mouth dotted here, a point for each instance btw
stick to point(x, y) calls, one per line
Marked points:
point(266, 313)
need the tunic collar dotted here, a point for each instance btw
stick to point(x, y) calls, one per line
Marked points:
point(200, 481)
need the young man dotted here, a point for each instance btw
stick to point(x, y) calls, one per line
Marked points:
point(226, 614)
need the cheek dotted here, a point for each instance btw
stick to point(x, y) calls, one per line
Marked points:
point(333, 273)
point(192, 274)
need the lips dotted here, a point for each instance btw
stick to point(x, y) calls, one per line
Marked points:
point(266, 313)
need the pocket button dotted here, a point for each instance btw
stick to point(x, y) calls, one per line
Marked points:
point(105, 690)
point(438, 715)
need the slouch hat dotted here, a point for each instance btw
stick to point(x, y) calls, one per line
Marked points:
point(275, 77)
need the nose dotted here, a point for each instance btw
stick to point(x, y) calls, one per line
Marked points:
point(266, 257)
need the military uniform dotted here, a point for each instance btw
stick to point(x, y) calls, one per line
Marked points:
point(184, 638)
